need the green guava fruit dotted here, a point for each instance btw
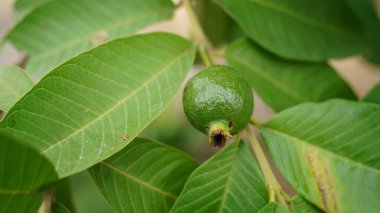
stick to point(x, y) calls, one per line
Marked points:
point(218, 102)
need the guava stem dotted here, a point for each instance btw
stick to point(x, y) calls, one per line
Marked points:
point(205, 56)
point(239, 136)
point(255, 122)
point(274, 188)
point(199, 37)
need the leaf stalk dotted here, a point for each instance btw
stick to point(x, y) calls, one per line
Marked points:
point(274, 188)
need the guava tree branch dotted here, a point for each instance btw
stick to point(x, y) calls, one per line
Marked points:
point(199, 37)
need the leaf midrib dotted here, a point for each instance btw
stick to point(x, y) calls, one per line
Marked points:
point(140, 181)
point(91, 34)
point(305, 19)
point(228, 184)
point(305, 143)
point(280, 86)
point(16, 191)
point(142, 86)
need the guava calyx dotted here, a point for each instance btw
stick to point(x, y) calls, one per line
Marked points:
point(219, 132)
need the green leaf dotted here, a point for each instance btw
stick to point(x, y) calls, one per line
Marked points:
point(63, 194)
point(230, 181)
point(60, 208)
point(282, 83)
point(93, 105)
point(373, 95)
point(366, 12)
point(61, 29)
point(146, 176)
point(297, 205)
point(14, 83)
point(22, 171)
point(329, 153)
point(217, 25)
point(300, 205)
point(302, 30)
point(274, 208)
point(23, 7)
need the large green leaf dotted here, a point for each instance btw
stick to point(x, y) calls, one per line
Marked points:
point(22, 171)
point(217, 25)
point(373, 95)
point(282, 83)
point(296, 205)
point(63, 194)
point(146, 176)
point(93, 105)
point(61, 29)
point(300, 205)
point(297, 29)
point(274, 208)
point(366, 11)
point(14, 83)
point(60, 208)
point(230, 181)
point(329, 153)
point(23, 7)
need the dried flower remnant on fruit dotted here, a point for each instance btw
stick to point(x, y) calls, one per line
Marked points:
point(219, 138)
point(218, 102)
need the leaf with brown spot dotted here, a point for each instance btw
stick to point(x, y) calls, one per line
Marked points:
point(329, 153)
point(320, 172)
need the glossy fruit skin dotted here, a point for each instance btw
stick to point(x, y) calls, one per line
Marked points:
point(218, 96)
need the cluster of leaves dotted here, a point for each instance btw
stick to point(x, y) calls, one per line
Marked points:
point(67, 112)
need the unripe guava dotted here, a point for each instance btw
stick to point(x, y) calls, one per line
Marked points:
point(218, 102)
